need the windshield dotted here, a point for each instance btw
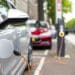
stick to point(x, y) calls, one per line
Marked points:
point(42, 24)
point(31, 25)
point(10, 4)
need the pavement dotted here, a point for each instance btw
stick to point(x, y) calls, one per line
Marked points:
point(54, 65)
point(71, 38)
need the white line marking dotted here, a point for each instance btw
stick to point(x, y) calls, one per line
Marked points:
point(38, 69)
point(46, 52)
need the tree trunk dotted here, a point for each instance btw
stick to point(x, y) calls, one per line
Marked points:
point(40, 10)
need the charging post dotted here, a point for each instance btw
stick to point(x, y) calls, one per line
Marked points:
point(60, 38)
point(60, 29)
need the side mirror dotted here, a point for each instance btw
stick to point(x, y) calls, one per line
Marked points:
point(16, 53)
point(14, 16)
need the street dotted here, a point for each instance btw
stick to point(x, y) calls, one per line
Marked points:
point(25, 24)
point(49, 63)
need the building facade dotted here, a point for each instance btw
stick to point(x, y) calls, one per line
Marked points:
point(28, 6)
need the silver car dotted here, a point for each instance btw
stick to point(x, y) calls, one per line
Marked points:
point(14, 65)
point(10, 64)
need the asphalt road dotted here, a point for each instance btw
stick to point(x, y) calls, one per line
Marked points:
point(51, 64)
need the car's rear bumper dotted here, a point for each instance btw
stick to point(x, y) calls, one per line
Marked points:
point(42, 42)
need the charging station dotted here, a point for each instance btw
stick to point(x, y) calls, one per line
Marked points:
point(60, 29)
point(60, 38)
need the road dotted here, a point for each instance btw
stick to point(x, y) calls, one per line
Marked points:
point(45, 61)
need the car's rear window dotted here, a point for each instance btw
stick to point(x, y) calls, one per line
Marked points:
point(31, 25)
point(42, 24)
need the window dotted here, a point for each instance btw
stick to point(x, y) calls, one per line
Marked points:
point(43, 24)
point(11, 5)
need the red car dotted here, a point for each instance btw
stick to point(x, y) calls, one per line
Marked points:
point(40, 36)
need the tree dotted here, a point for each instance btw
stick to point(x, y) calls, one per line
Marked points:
point(66, 7)
point(70, 24)
point(40, 10)
point(3, 2)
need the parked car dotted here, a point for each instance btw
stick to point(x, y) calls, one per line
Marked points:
point(40, 36)
point(53, 31)
point(14, 65)
point(9, 12)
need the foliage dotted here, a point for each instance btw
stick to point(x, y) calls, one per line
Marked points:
point(66, 7)
point(4, 3)
point(70, 24)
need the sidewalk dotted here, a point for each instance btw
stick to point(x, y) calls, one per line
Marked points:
point(71, 38)
point(53, 67)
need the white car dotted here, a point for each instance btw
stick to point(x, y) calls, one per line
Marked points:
point(18, 41)
point(12, 14)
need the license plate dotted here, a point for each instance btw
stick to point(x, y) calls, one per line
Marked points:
point(46, 42)
point(33, 39)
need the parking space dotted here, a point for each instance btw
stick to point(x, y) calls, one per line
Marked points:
point(45, 62)
point(39, 58)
